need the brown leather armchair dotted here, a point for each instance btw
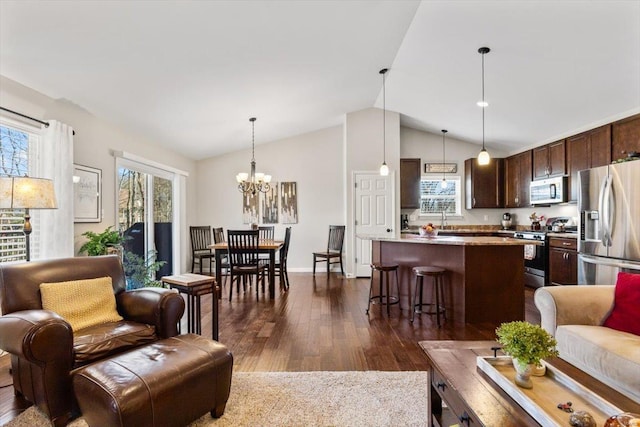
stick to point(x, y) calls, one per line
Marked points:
point(44, 349)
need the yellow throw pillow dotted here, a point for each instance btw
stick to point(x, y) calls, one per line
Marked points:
point(82, 303)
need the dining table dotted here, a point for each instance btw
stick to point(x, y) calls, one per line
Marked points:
point(265, 246)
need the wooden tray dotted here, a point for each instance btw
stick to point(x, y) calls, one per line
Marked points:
point(541, 401)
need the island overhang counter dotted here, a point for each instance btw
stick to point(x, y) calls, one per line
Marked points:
point(484, 283)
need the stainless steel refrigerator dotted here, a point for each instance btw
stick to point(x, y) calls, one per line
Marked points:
point(609, 207)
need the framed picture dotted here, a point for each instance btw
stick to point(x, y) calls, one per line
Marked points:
point(87, 194)
point(269, 205)
point(440, 167)
point(289, 202)
point(249, 209)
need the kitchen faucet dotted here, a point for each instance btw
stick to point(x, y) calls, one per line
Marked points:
point(443, 219)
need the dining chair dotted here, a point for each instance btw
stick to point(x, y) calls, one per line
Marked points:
point(281, 263)
point(200, 250)
point(267, 232)
point(333, 254)
point(218, 237)
point(244, 261)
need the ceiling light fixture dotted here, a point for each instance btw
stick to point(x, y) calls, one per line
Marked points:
point(483, 156)
point(444, 173)
point(384, 169)
point(254, 182)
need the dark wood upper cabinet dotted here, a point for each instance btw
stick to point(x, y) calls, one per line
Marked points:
point(517, 180)
point(626, 137)
point(484, 184)
point(410, 183)
point(549, 160)
point(587, 150)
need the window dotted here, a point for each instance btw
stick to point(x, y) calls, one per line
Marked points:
point(17, 144)
point(434, 199)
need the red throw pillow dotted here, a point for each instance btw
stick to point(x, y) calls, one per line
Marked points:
point(625, 315)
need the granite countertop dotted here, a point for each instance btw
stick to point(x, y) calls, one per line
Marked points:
point(455, 240)
point(462, 231)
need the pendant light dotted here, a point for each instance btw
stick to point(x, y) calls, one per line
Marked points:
point(253, 182)
point(384, 169)
point(483, 156)
point(444, 183)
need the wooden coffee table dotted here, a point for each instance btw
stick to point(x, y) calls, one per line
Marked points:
point(462, 394)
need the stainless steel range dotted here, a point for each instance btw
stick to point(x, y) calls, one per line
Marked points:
point(536, 257)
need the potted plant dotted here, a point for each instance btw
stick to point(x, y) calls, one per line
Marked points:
point(108, 241)
point(527, 344)
point(141, 272)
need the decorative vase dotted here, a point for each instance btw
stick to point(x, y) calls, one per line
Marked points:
point(523, 373)
point(539, 370)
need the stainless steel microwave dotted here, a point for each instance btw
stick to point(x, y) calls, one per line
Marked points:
point(547, 191)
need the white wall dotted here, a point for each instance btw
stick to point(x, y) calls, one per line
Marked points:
point(428, 147)
point(94, 142)
point(314, 160)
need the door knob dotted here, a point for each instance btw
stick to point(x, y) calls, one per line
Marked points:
point(388, 230)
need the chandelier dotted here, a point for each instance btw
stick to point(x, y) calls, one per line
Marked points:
point(255, 181)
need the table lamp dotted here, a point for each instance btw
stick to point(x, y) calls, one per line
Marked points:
point(27, 193)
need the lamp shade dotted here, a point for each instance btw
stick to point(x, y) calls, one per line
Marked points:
point(27, 193)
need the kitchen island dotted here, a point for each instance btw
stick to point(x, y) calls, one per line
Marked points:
point(484, 283)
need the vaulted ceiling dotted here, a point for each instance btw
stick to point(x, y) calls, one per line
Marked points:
point(189, 74)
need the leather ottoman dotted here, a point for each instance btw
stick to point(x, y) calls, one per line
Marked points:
point(171, 382)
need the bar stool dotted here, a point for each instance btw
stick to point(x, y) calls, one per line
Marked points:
point(386, 299)
point(438, 289)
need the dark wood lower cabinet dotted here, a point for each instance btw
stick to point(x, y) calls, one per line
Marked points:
point(563, 261)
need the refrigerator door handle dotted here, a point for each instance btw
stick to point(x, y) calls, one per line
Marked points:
point(610, 262)
point(602, 223)
point(611, 210)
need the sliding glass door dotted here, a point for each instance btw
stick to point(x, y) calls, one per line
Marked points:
point(146, 212)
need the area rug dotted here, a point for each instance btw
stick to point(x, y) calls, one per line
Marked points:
point(363, 398)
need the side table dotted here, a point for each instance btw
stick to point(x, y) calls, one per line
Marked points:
point(194, 286)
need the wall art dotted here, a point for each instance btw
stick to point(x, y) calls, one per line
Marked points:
point(87, 194)
point(289, 202)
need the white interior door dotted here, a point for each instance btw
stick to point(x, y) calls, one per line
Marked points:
point(374, 215)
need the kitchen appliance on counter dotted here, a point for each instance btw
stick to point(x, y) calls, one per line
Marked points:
point(561, 224)
point(609, 208)
point(405, 222)
point(506, 221)
point(548, 191)
point(536, 257)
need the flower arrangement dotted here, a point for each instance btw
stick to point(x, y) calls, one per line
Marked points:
point(535, 218)
point(428, 230)
point(526, 342)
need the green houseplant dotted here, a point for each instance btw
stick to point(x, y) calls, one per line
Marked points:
point(101, 243)
point(527, 344)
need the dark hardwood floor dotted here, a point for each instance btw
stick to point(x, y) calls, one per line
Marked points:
point(318, 324)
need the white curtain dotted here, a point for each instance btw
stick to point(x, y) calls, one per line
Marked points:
point(55, 161)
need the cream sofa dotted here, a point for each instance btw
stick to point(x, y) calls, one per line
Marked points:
point(574, 315)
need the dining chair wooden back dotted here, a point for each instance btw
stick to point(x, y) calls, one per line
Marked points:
point(218, 237)
point(244, 260)
point(200, 250)
point(281, 264)
point(266, 232)
point(333, 254)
